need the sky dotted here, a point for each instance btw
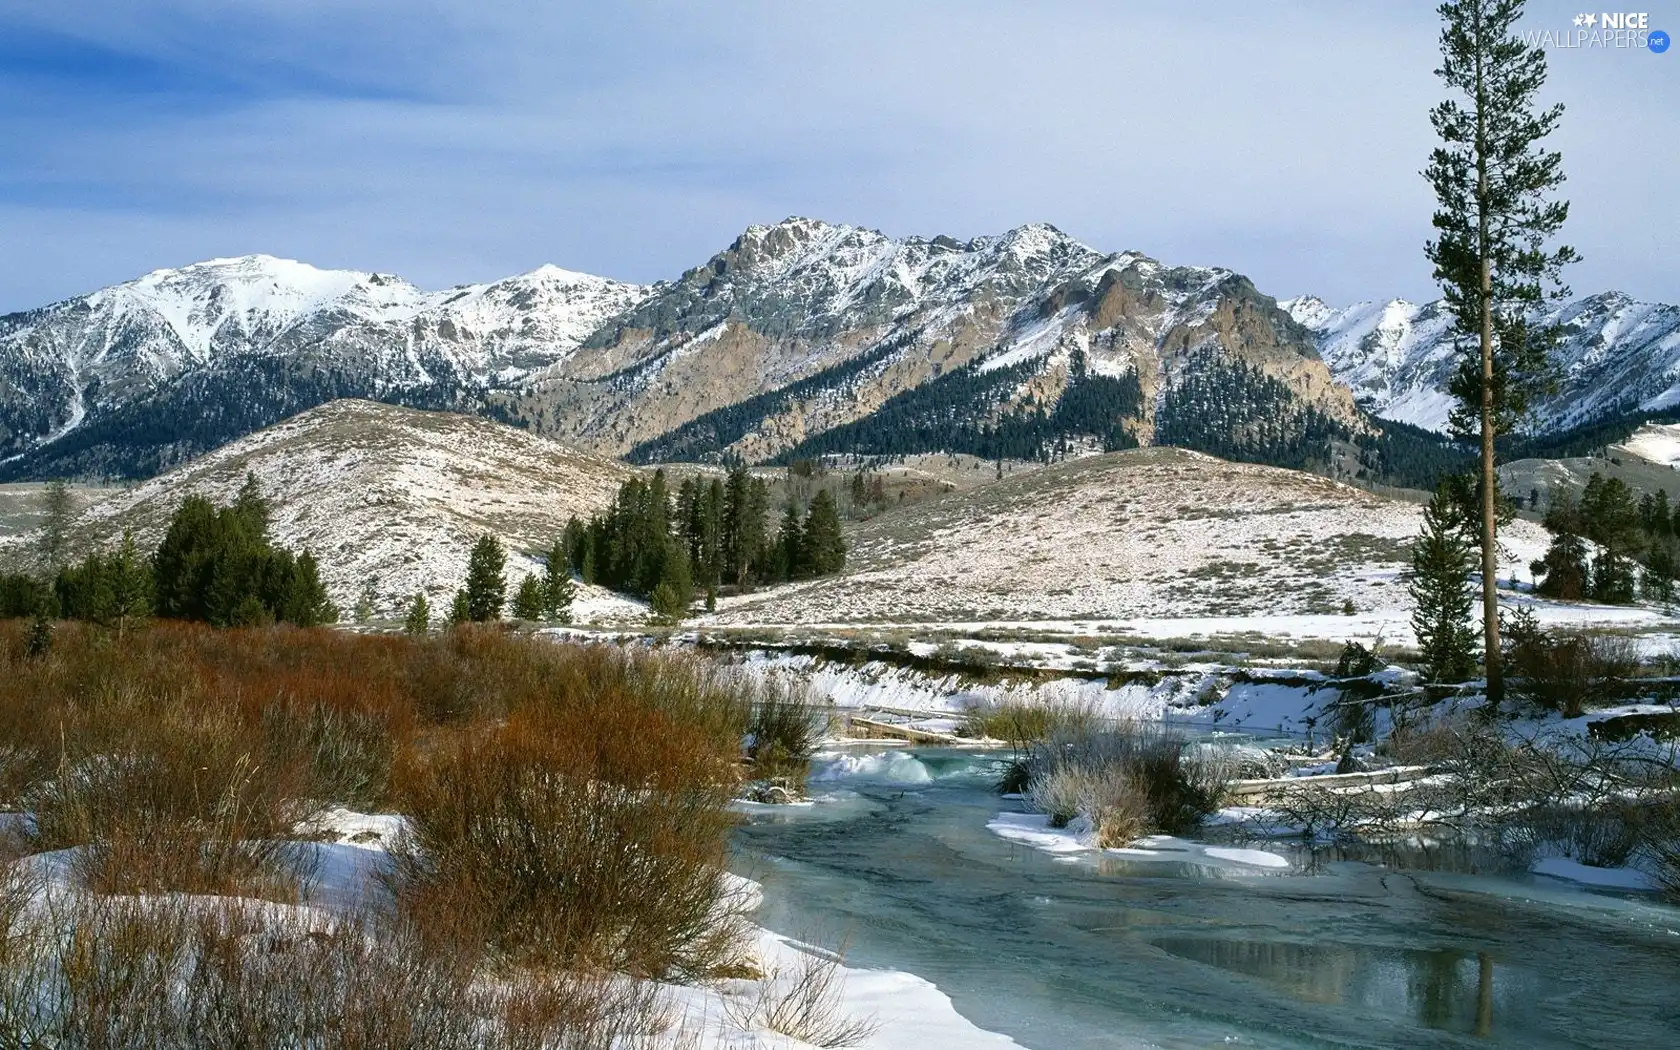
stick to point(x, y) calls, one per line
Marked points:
point(452, 141)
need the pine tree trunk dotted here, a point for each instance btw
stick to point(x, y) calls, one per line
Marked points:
point(1490, 488)
point(1490, 493)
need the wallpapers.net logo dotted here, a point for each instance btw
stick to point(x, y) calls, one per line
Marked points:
point(1604, 29)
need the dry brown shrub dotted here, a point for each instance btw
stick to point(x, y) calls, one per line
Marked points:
point(178, 974)
point(565, 849)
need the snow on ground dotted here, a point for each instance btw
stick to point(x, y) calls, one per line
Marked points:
point(1140, 537)
point(1658, 630)
point(1656, 443)
point(911, 1013)
point(391, 497)
point(1033, 829)
point(1586, 875)
point(880, 684)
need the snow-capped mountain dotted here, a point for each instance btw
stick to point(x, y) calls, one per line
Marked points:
point(1615, 355)
point(138, 376)
point(795, 331)
point(804, 327)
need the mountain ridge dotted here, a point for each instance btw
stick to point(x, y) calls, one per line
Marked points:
point(800, 337)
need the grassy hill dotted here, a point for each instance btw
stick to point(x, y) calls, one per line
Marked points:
point(1153, 532)
point(385, 494)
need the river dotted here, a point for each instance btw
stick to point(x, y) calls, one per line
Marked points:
point(1065, 953)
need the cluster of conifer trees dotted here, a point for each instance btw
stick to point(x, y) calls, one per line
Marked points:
point(1636, 539)
point(964, 411)
point(1234, 410)
point(709, 534)
point(214, 564)
point(1609, 545)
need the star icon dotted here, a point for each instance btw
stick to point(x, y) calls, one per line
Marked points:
point(1592, 20)
point(1580, 20)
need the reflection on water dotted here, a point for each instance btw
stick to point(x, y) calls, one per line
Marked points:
point(1443, 988)
point(1102, 952)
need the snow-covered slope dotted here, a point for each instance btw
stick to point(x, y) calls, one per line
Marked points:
point(1657, 443)
point(390, 495)
point(141, 375)
point(1150, 533)
point(1616, 354)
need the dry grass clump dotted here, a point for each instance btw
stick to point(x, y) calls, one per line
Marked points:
point(551, 851)
point(1125, 781)
point(782, 735)
point(804, 1002)
point(1568, 671)
point(181, 974)
point(178, 802)
point(1021, 722)
point(1109, 799)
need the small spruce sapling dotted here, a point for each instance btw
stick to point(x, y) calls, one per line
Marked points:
point(419, 618)
point(529, 600)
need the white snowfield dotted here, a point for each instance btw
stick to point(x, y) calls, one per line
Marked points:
point(391, 497)
point(1159, 541)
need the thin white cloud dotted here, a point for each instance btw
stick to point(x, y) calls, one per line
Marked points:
point(454, 142)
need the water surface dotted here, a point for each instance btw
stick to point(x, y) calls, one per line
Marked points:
point(1098, 951)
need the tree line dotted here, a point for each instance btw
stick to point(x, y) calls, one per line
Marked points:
point(1609, 545)
point(708, 534)
point(215, 564)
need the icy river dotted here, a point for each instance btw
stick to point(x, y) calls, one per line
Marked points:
point(1085, 951)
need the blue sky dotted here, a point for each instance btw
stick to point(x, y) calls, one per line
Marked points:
point(460, 141)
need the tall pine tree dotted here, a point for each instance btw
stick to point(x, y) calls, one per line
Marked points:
point(1493, 221)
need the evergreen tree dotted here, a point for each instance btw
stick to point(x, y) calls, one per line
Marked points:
point(738, 537)
point(183, 561)
point(1494, 217)
point(575, 538)
point(40, 635)
point(1439, 585)
point(486, 586)
point(1610, 518)
point(304, 601)
point(530, 600)
point(53, 544)
point(1655, 515)
point(364, 611)
point(1563, 572)
point(460, 610)
point(252, 505)
point(128, 591)
point(790, 546)
point(673, 594)
point(1656, 583)
point(21, 595)
point(558, 589)
point(824, 547)
point(419, 617)
point(586, 566)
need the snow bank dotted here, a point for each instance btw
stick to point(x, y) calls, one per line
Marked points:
point(1033, 829)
